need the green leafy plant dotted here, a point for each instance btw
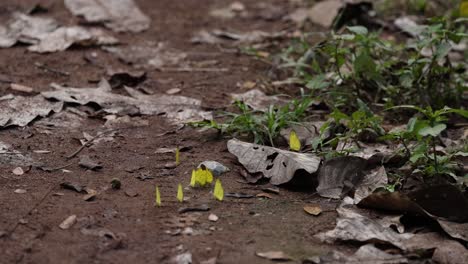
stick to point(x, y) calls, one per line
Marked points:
point(357, 126)
point(359, 64)
point(263, 126)
point(425, 130)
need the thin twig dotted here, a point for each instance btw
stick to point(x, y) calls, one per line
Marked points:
point(89, 142)
point(32, 209)
point(190, 69)
point(48, 69)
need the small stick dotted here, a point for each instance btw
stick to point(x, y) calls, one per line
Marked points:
point(44, 67)
point(87, 144)
point(190, 69)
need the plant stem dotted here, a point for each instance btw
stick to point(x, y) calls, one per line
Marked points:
point(436, 165)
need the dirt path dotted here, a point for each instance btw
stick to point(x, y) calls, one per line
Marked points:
point(143, 233)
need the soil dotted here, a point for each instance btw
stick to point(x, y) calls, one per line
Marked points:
point(144, 233)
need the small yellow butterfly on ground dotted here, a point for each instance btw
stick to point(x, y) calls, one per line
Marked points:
point(157, 197)
point(177, 156)
point(200, 177)
point(180, 193)
point(209, 176)
point(218, 192)
point(294, 142)
point(193, 179)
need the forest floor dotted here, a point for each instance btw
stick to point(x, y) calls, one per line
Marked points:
point(124, 225)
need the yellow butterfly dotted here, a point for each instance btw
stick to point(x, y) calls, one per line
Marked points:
point(158, 197)
point(177, 156)
point(193, 179)
point(201, 176)
point(294, 142)
point(180, 193)
point(218, 192)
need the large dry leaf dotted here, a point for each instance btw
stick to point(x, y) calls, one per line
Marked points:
point(437, 202)
point(258, 100)
point(356, 227)
point(276, 164)
point(338, 176)
point(118, 15)
point(64, 37)
point(65, 120)
point(25, 29)
point(45, 35)
point(148, 56)
point(218, 36)
point(20, 111)
point(176, 108)
point(11, 157)
point(367, 254)
point(372, 180)
point(445, 251)
point(305, 131)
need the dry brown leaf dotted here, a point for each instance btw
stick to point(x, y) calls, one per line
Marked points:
point(264, 195)
point(313, 209)
point(91, 194)
point(338, 176)
point(148, 56)
point(274, 255)
point(69, 222)
point(26, 29)
point(353, 226)
point(64, 37)
point(277, 165)
point(257, 99)
point(371, 181)
point(176, 108)
point(367, 254)
point(118, 15)
point(20, 111)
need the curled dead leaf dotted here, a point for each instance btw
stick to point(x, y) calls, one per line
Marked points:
point(313, 209)
point(276, 164)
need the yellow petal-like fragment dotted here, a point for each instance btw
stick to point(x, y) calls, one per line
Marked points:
point(180, 193)
point(209, 176)
point(294, 142)
point(193, 179)
point(218, 190)
point(202, 177)
point(158, 197)
point(464, 9)
point(177, 156)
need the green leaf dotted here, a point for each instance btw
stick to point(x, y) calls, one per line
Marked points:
point(365, 65)
point(359, 30)
point(433, 131)
point(443, 50)
point(318, 82)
